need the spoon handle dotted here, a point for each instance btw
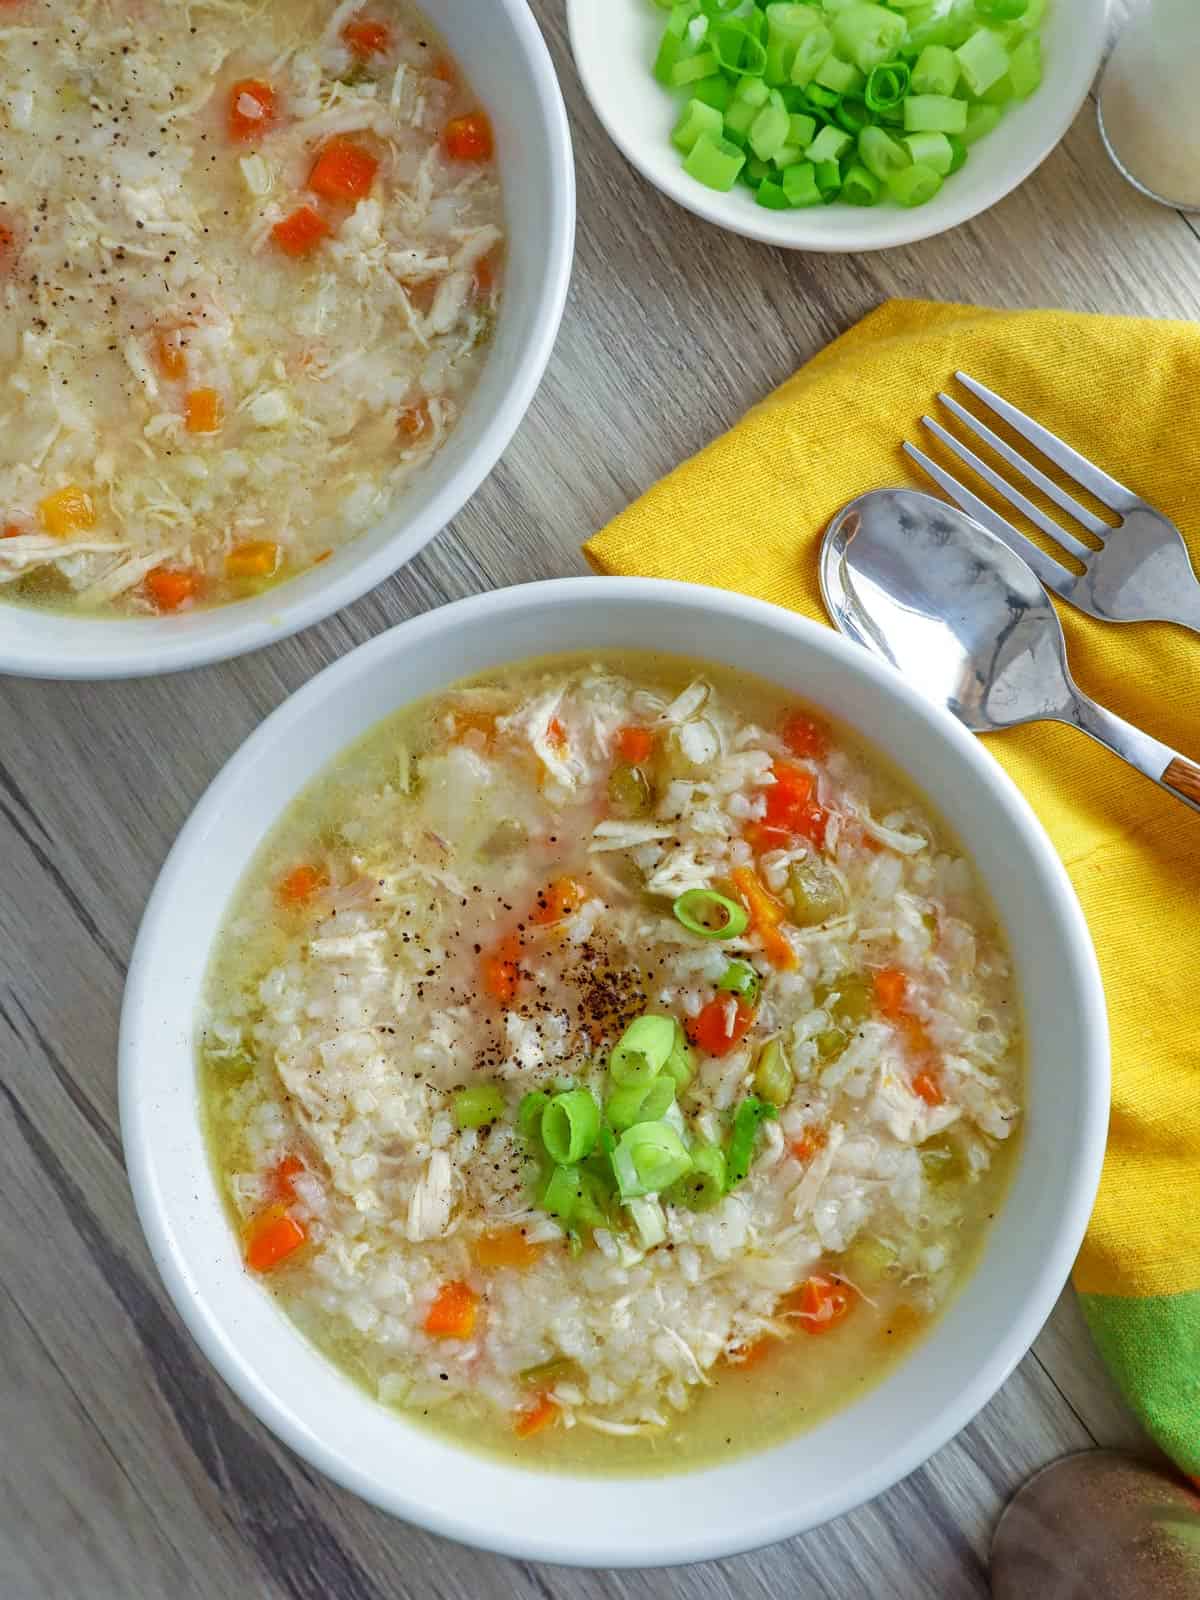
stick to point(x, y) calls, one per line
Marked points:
point(1166, 767)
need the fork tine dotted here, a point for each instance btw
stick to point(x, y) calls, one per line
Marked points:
point(1013, 496)
point(1107, 490)
point(1050, 573)
point(1015, 459)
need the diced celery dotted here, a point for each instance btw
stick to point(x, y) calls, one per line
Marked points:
point(934, 113)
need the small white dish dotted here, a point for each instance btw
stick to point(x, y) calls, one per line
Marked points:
point(615, 42)
point(616, 1521)
point(504, 57)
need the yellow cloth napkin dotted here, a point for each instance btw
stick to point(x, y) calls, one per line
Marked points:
point(748, 512)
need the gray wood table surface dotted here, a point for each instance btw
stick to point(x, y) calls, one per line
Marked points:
point(127, 1470)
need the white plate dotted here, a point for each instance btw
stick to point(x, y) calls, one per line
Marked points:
point(615, 42)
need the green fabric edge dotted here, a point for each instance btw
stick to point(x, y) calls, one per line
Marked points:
point(1152, 1348)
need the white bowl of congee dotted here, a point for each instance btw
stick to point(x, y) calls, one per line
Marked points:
point(278, 282)
point(605, 1031)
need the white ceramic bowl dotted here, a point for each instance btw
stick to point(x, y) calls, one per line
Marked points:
point(615, 44)
point(616, 1521)
point(503, 55)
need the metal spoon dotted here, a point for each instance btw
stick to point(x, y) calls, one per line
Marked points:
point(921, 584)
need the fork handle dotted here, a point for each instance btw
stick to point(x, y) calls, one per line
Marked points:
point(1164, 766)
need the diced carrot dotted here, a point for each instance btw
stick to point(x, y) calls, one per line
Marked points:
point(171, 587)
point(926, 1086)
point(67, 511)
point(710, 1030)
point(324, 556)
point(761, 838)
point(505, 1247)
point(204, 411)
point(746, 1356)
point(805, 737)
point(169, 352)
point(453, 1312)
point(486, 272)
point(556, 734)
point(443, 70)
point(810, 1141)
point(11, 531)
point(791, 804)
point(891, 992)
point(469, 138)
point(635, 745)
point(413, 421)
point(251, 109)
point(343, 171)
point(481, 722)
point(279, 1179)
point(300, 233)
point(367, 37)
point(501, 972)
point(271, 1237)
point(255, 558)
point(297, 887)
point(557, 901)
point(766, 914)
point(819, 1303)
point(533, 1419)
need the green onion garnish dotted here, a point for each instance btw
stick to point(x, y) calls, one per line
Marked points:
point(740, 977)
point(529, 1113)
point(477, 1106)
point(680, 1065)
point(649, 1157)
point(702, 1187)
point(708, 914)
point(570, 1124)
point(642, 1051)
point(624, 1107)
point(649, 1221)
point(562, 1194)
point(747, 1118)
point(887, 85)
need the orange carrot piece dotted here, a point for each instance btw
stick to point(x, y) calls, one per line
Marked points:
point(280, 1178)
point(805, 737)
point(533, 1419)
point(66, 511)
point(710, 1030)
point(766, 913)
point(559, 900)
point(556, 734)
point(891, 992)
point(251, 109)
point(343, 171)
point(927, 1088)
point(487, 270)
point(505, 1247)
point(271, 1237)
point(300, 233)
point(746, 1356)
point(469, 138)
point(11, 531)
point(453, 1312)
point(819, 1303)
point(635, 745)
point(204, 411)
point(500, 970)
point(255, 558)
point(297, 887)
point(413, 421)
point(444, 70)
point(169, 353)
point(810, 1141)
point(481, 722)
point(367, 37)
point(169, 588)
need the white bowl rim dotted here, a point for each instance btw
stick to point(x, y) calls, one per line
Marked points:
point(546, 1543)
point(892, 227)
point(294, 611)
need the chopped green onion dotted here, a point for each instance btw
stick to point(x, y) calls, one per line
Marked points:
point(738, 50)
point(771, 194)
point(697, 118)
point(747, 1118)
point(690, 69)
point(1001, 10)
point(674, 43)
point(680, 1065)
point(934, 113)
point(982, 60)
point(868, 34)
point(1025, 67)
point(740, 977)
point(980, 122)
point(840, 76)
point(932, 149)
point(769, 130)
point(641, 1052)
point(562, 1194)
point(716, 91)
point(802, 130)
point(714, 162)
point(755, 171)
point(529, 1113)
point(958, 151)
point(546, 1373)
point(800, 185)
point(859, 188)
point(640, 1103)
point(822, 99)
point(828, 175)
point(830, 144)
point(936, 71)
point(477, 1106)
point(649, 1221)
point(702, 1187)
point(915, 186)
point(773, 1075)
point(570, 1124)
point(649, 1157)
point(887, 84)
point(852, 115)
point(881, 154)
point(787, 157)
point(708, 914)
point(811, 52)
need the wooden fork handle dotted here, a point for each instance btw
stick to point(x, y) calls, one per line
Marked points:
point(1183, 778)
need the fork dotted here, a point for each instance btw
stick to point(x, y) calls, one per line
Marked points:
point(1140, 573)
